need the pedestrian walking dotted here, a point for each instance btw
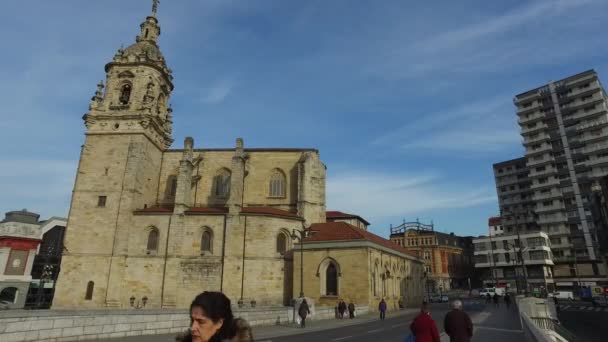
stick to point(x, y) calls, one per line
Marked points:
point(211, 320)
point(303, 311)
point(351, 310)
point(423, 327)
point(496, 300)
point(458, 324)
point(382, 309)
point(507, 300)
point(342, 308)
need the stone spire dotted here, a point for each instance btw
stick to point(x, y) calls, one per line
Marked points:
point(150, 29)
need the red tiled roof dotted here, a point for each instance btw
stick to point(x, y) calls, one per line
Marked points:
point(207, 210)
point(270, 211)
point(341, 215)
point(342, 231)
point(494, 221)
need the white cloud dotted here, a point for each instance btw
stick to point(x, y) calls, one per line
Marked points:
point(483, 126)
point(535, 10)
point(379, 195)
point(218, 92)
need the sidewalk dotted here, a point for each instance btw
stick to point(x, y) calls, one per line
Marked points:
point(264, 332)
point(496, 325)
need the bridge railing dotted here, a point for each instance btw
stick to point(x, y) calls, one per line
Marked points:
point(539, 321)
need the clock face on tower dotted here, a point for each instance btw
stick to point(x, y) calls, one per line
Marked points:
point(16, 262)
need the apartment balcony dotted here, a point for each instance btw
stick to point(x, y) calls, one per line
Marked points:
point(588, 137)
point(595, 147)
point(554, 193)
point(600, 108)
point(528, 118)
point(540, 138)
point(555, 218)
point(592, 125)
point(534, 162)
point(544, 147)
point(593, 87)
point(537, 128)
point(548, 171)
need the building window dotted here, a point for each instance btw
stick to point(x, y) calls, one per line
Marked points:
point(331, 280)
point(281, 243)
point(9, 295)
point(221, 183)
point(125, 94)
point(173, 188)
point(207, 241)
point(101, 201)
point(277, 184)
point(89, 294)
point(153, 240)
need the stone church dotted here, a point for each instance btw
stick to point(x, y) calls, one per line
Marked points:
point(154, 226)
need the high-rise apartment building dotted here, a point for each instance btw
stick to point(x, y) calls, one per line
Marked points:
point(515, 196)
point(564, 125)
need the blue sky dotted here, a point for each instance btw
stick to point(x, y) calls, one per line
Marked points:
point(409, 103)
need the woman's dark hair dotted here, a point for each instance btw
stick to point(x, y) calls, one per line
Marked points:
point(216, 306)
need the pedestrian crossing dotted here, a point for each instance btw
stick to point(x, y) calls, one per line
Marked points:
point(583, 308)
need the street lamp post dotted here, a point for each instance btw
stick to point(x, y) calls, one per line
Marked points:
point(518, 251)
point(300, 235)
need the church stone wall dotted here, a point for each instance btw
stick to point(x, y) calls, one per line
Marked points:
point(356, 266)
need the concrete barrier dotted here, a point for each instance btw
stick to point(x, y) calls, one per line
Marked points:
point(80, 325)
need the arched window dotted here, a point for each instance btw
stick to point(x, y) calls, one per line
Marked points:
point(281, 243)
point(277, 184)
point(125, 94)
point(89, 294)
point(331, 280)
point(221, 183)
point(207, 241)
point(9, 295)
point(153, 240)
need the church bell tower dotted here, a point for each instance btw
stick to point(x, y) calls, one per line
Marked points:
point(128, 128)
point(137, 89)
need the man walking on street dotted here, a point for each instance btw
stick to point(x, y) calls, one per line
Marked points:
point(303, 311)
point(496, 300)
point(457, 324)
point(351, 310)
point(423, 327)
point(382, 309)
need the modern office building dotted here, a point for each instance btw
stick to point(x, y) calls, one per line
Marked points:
point(501, 260)
point(564, 125)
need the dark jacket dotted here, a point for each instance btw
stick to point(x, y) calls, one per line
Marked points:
point(351, 307)
point(304, 310)
point(458, 326)
point(424, 328)
point(240, 329)
point(382, 306)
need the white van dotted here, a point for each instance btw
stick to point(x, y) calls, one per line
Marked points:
point(562, 295)
point(490, 291)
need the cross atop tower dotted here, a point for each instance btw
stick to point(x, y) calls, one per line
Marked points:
point(154, 6)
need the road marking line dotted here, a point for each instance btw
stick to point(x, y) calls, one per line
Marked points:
point(374, 331)
point(398, 325)
point(342, 338)
point(566, 307)
point(598, 309)
point(581, 308)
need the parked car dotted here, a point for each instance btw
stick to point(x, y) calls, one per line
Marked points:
point(445, 299)
point(435, 298)
point(562, 295)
